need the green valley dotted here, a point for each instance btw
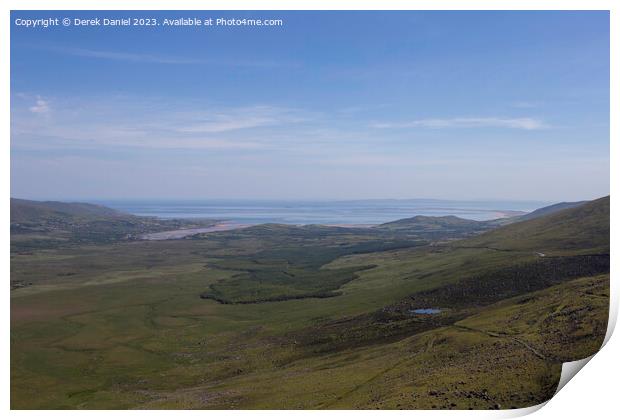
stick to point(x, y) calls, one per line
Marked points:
point(418, 313)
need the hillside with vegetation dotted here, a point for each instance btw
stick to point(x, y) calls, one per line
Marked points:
point(45, 224)
point(577, 229)
point(420, 313)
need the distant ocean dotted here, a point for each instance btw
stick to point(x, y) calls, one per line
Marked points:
point(360, 212)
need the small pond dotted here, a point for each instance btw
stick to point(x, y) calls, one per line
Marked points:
point(426, 311)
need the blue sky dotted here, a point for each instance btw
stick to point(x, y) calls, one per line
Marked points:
point(331, 105)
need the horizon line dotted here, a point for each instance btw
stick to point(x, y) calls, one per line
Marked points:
point(292, 200)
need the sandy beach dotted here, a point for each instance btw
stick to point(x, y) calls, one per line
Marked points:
point(183, 233)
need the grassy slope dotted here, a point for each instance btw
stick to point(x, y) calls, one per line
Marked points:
point(37, 225)
point(420, 223)
point(128, 329)
point(584, 228)
point(449, 367)
point(25, 211)
point(550, 210)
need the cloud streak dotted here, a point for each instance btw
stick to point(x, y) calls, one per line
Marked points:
point(134, 57)
point(41, 106)
point(123, 56)
point(110, 123)
point(469, 122)
point(239, 119)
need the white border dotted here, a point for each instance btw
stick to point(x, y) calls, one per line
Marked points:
point(591, 395)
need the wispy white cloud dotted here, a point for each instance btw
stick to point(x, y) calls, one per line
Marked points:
point(224, 124)
point(41, 106)
point(239, 119)
point(137, 57)
point(468, 122)
point(104, 123)
point(119, 124)
point(124, 56)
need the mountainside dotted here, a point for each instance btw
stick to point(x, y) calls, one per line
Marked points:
point(27, 211)
point(437, 228)
point(49, 224)
point(430, 222)
point(584, 227)
point(543, 211)
point(466, 227)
